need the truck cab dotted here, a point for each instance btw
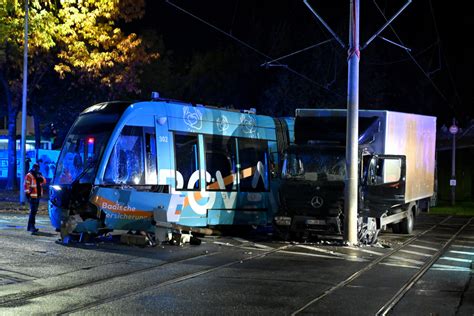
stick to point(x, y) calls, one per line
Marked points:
point(396, 173)
point(312, 182)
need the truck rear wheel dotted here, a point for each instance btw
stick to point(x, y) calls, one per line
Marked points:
point(406, 225)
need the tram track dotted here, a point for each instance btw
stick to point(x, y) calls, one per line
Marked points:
point(192, 267)
point(172, 281)
point(384, 310)
point(18, 299)
point(379, 260)
point(15, 299)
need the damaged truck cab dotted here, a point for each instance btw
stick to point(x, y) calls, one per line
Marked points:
point(396, 173)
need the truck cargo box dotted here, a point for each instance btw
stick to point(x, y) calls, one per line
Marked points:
point(383, 132)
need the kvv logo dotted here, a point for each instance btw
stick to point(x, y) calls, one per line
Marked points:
point(248, 123)
point(222, 123)
point(192, 117)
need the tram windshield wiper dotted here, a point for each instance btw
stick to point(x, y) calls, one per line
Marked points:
point(90, 165)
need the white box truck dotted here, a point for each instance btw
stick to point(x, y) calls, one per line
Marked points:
point(396, 172)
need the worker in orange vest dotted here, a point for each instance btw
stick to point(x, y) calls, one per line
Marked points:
point(34, 182)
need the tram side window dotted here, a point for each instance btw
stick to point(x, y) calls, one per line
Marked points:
point(126, 165)
point(221, 162)
point(253, 159)
point(187, 162)
point(150, 156)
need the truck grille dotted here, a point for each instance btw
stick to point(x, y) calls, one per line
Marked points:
point(312, 199)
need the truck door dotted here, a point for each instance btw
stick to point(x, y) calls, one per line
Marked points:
point(385, 179)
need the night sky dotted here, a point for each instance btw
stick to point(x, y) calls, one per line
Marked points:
point(438, 33)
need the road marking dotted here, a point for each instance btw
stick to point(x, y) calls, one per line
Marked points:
point(462, 252)
point(399, 265)
point(462, 246)
point(223, 243)
point(444, 267)
point(337, 254)
point(310, 254)
point(457, 259)
point(366, 250)
point(240, 240)
point(423, 247)
point(407, 260)
point(416, 253)
point(247, 247)
point(260, 246)
point(428, 242)
point(465, 241)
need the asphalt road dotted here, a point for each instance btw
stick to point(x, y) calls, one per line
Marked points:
point(237, 275)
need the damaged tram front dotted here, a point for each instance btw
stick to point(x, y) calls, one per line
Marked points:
point(138, 166)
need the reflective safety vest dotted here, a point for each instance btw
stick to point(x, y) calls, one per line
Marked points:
point(32, 187)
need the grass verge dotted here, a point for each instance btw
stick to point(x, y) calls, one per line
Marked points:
point(464, 208)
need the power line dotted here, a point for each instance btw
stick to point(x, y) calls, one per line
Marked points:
point(432, 72)
point(402, 60)
point(233, 16)
point(441, 51)
point(252, 48)
point(297, 52)
point(414, 60)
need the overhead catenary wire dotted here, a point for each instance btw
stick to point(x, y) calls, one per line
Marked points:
point(402, 60)
point(414, 60)
point(297, 52)
point(330, 83)
point(393, 43)
point(438, 42)
point(325, 29)
point(233, 16)
point(387, 23)
point(441, 53)
point(432, 72)
point(253, 48)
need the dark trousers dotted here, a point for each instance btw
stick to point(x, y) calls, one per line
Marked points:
point(34, 203)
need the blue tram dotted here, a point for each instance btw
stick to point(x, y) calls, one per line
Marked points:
point(125, 166)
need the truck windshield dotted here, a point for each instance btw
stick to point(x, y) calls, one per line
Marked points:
point(83, 147)
point(314, 164)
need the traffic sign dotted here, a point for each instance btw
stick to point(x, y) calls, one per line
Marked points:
point(453, 129)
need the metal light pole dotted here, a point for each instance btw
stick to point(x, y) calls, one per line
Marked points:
point(350, 189)
point(453, 129)
point(352, 134)
point(23, 109)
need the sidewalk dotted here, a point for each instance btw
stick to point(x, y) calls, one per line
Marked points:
point(10, 202)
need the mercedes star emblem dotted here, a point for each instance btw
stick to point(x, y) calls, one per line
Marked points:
point(317, 201)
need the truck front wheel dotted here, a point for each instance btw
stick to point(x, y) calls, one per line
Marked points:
point(406, 225)
point(396, 228)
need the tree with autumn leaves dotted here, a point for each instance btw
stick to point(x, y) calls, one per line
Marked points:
point(80, 40)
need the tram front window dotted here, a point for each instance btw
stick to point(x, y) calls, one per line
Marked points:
point(83, 148)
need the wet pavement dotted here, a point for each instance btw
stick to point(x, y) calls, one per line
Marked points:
point(249, 274)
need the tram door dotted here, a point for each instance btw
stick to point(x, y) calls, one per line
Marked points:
point(163, 146)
